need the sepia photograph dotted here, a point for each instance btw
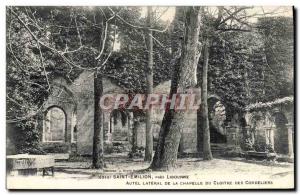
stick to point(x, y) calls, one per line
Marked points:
point(150, 97)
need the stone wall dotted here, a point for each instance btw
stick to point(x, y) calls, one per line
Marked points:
point(273, 126)
point(78, 101)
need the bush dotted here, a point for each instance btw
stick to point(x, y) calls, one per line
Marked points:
point(270, 148)
point(27, 138)
point(263, 147)
point(247, 144)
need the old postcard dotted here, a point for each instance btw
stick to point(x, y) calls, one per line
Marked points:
point(120, 97)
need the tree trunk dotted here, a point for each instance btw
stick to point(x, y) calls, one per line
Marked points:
point(98, 161)
point(175, 66)
point(173, 122)
point(165, 127)
point(134, 133)
point(199, 134)
point(207, 155)
point(149, 77)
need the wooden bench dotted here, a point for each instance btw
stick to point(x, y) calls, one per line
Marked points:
point(26, 164)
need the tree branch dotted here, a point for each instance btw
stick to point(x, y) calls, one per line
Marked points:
point(139, 27)
point(38, 44)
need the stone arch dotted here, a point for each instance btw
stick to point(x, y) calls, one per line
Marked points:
point(61, 97)
point(256, 124)
point(254, 117)
point(213, 99)
point(217, 116)
point(265, 117)
point(54, 124)
point(119, 127)
point(281, 134)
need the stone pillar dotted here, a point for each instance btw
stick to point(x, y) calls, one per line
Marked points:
point(68, 130)
point(130, 129)
point(290, 128)
point(269, 131)
point(111, 128)
point(106, 127)
point(129, 126)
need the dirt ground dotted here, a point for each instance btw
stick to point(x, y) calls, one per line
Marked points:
point(217, 174)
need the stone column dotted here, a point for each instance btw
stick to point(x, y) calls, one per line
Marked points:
point(108, 134)
point(130, 129)
point(106, 127)
point(270, 136)
point(129, 126)
point(237, 135)
point(267, 138)
point(290, 128)
point(68, 130)
point(112, 126)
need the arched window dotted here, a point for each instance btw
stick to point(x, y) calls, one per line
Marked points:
point(54, 125)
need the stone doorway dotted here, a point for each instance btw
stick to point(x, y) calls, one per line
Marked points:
point(217, 116)
point(54, 125)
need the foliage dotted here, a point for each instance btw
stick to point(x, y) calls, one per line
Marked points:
point(31, 66)
point(44, 43)
point(27, 138)
point(271, 104)
point(263, 147)
point(247, 144)
point(248, 65)
point(128, 68)
point(235, 66)
point(278, 39)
